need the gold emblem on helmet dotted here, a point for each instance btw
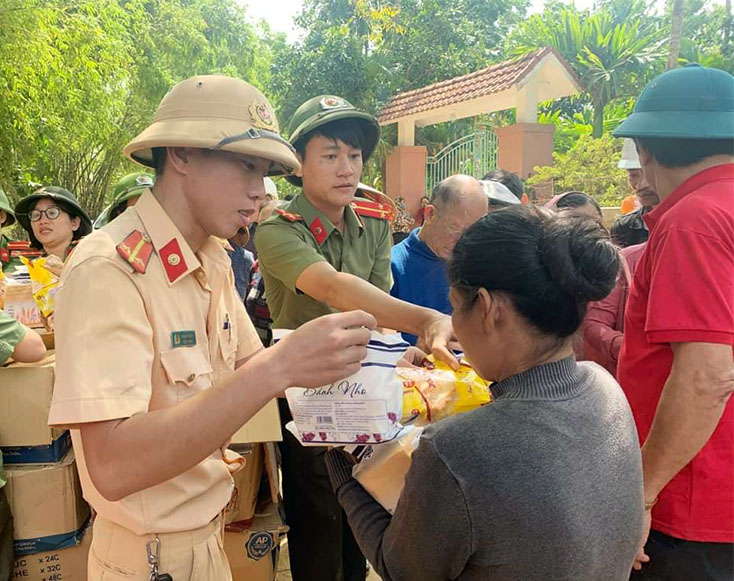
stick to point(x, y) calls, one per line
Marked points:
point(263, 117)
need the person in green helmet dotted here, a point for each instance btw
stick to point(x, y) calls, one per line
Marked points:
point(9, 249)
point(675, 364)
point(126, 192)
point(54, 220)
point(328, 250)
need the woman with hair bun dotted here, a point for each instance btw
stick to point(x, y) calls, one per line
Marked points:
point(546, 481)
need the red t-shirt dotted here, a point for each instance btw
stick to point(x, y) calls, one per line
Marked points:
point(683, 292)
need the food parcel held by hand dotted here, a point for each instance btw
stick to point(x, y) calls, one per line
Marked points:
point(385, 407)
point(363, 408)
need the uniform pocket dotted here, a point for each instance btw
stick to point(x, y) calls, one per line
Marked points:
point(105, 568)
point(188, 366)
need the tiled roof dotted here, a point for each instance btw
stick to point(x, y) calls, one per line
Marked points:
point(487, 81)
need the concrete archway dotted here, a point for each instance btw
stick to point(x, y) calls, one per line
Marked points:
point(521, 84)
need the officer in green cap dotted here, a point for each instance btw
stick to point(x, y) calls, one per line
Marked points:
point(125, 193)
point(675, 365)
point(329, 250)
point(54, 220)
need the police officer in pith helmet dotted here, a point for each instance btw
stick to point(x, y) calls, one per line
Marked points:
point(157, 362)
point(329, 250)
point(125, 193)
point(675, 365)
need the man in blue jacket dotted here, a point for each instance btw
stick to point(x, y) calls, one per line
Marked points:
point(419, 262)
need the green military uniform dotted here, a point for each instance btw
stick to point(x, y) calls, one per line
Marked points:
point(320, 542)
point(300, 235)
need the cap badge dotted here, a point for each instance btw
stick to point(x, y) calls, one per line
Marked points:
point(263, 117)
point(143, 181)
point(332, 103)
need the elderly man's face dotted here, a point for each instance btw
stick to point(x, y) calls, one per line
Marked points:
point(446, 225)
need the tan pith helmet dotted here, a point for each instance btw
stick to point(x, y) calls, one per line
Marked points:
point(219, 113)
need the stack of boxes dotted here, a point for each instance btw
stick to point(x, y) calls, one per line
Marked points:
point(254, 520)
point(50, 517)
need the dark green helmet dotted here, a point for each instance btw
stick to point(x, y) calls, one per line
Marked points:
point(131, 185)
point(692, 102)
point(5, 205)
point(324, 109)
point(57, 194)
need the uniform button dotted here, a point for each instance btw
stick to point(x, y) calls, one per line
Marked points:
point(173, 259)
point(192, 377)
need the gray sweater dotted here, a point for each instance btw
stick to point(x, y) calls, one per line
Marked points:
point(544, 483)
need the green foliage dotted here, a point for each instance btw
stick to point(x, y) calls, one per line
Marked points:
point(613, 51)
point(590, 166)
point(79, 78)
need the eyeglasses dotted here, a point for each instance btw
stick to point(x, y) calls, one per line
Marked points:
point(52, 212)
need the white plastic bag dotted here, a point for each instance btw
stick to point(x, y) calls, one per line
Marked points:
point(362, 409)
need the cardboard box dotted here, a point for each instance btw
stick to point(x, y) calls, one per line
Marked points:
point(46, 501)
point(25, 401)
point(246, 484)
point(253, 553)
point(264, 426)
point(257, 483)
point(62, 565)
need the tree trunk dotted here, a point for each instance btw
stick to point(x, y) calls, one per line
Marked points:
point(598, 125)
point(674, 48)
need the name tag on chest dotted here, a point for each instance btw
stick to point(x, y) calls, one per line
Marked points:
point(183, 339)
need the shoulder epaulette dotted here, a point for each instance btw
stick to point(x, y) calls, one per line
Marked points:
point(19, 245)
point(136, 249)
point(377, 204)
point(290, 216)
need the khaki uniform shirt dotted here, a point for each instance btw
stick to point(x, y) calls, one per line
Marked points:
point(129, 342)
point(290, 242)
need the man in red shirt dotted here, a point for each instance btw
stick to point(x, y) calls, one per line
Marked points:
point(676, 360)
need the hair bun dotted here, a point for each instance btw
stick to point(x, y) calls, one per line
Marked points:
point(578, 256)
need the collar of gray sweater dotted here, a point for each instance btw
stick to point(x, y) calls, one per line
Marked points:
point(557, 380)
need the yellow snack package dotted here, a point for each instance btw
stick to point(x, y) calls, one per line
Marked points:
point(43, 281)
point(436, 391)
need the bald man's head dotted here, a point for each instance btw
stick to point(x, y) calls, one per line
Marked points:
point(456, 203)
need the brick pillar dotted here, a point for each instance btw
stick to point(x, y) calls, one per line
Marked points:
point(523, 146)
point(405, 175)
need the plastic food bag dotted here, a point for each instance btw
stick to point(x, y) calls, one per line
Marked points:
point(44, 273)
point(362, 409)
point(436, 391)
point(382, 469)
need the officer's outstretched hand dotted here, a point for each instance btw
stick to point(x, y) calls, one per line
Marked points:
point(326, 349)
point(437, 338)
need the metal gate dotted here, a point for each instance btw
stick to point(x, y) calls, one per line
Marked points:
point(474, 155)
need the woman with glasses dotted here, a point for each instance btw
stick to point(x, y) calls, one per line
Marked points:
point(54, 220)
